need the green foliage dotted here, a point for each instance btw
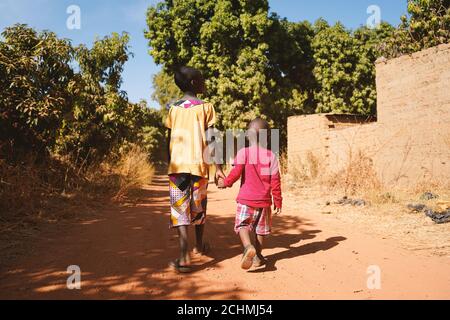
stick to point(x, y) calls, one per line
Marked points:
point(345, 68)
point(152, 136)
point(103, 63)
point(35, 85)
point(102, 118)
point(255, 64)
point(165, 90)
point(46, 106)
point(427, 25)
point(58, 98)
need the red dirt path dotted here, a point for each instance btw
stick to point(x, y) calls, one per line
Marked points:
point(123, 254)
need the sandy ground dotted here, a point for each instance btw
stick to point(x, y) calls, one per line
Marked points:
point(123, 253)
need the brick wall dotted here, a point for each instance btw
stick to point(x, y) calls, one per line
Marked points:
point(409, 141)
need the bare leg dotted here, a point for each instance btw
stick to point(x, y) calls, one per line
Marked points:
point(244, 234)
point(259, 245)
point(199, 230)
point(259, 259)
point(249, 249)
point(183, 238)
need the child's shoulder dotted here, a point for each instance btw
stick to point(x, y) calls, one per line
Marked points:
point(188, 104)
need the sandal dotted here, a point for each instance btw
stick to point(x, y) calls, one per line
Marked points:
point(204, 251)
point(259, 262)
point(247, 258)
point(179, 268)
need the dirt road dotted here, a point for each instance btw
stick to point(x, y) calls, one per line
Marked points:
point(123, 253)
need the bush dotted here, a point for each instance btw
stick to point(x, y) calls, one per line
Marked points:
point(65, 100)
point(134, 171)
point(358, 175)
point(427, 25)
point(35, 82)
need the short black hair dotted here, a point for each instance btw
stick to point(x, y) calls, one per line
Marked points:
point(184, 77)
point(256, 125)
point(260, 123)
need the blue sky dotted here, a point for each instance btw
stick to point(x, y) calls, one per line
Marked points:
point(101, 17)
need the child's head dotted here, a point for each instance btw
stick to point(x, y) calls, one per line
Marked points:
point(190, 80)
point(254, 128)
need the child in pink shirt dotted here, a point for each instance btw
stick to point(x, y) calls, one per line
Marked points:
point(258, 169)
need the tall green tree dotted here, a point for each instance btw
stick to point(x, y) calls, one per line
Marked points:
point(427, 25)
point(35, 87)
point(345, 67)
point(255, 64)
point(102, 117)
point(165, 90)
point(57, 98)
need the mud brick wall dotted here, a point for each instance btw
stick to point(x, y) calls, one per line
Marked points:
point(409, 142)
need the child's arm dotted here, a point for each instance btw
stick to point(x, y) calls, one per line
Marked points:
point(169, 134)
point(238, 168)
point(234, 175)
point(275, 182)
point(168, 125)
point(219, 171)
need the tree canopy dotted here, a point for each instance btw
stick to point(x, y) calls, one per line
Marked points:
point(58, 98)
point(258, 64)
point(427, 25)
point(255, 64)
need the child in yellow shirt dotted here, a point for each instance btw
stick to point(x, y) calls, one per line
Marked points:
point(187, 123)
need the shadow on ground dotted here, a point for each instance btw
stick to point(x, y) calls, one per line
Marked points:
point(124, 254)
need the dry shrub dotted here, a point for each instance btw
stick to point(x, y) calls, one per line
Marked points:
point(284, 166)
point(134, 171)
point(120, 173)
point(30, 190)
point(312, 165)
point(300, 173)
point(19, 187)
point(358, 176)
point(383, 197)
point(59, 187)
point(431, 185)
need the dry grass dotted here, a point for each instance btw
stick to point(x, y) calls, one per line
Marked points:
point(134, 171)
point(386, 214)
point(446, 139)
point(60, 188)
point(411, 230)
point(300, 173)
point(34, 196)
point(357, 176)
point(16, 188)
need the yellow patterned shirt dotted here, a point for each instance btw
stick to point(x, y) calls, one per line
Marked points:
point(188, 121)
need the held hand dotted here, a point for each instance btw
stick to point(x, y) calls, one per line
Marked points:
point(221, 183)
point(277, 211)
point(220, 174)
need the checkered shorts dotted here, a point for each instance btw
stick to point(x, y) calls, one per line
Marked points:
point(258, 220)
point(188, 199)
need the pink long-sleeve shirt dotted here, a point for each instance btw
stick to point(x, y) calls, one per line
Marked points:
point(259, 171)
